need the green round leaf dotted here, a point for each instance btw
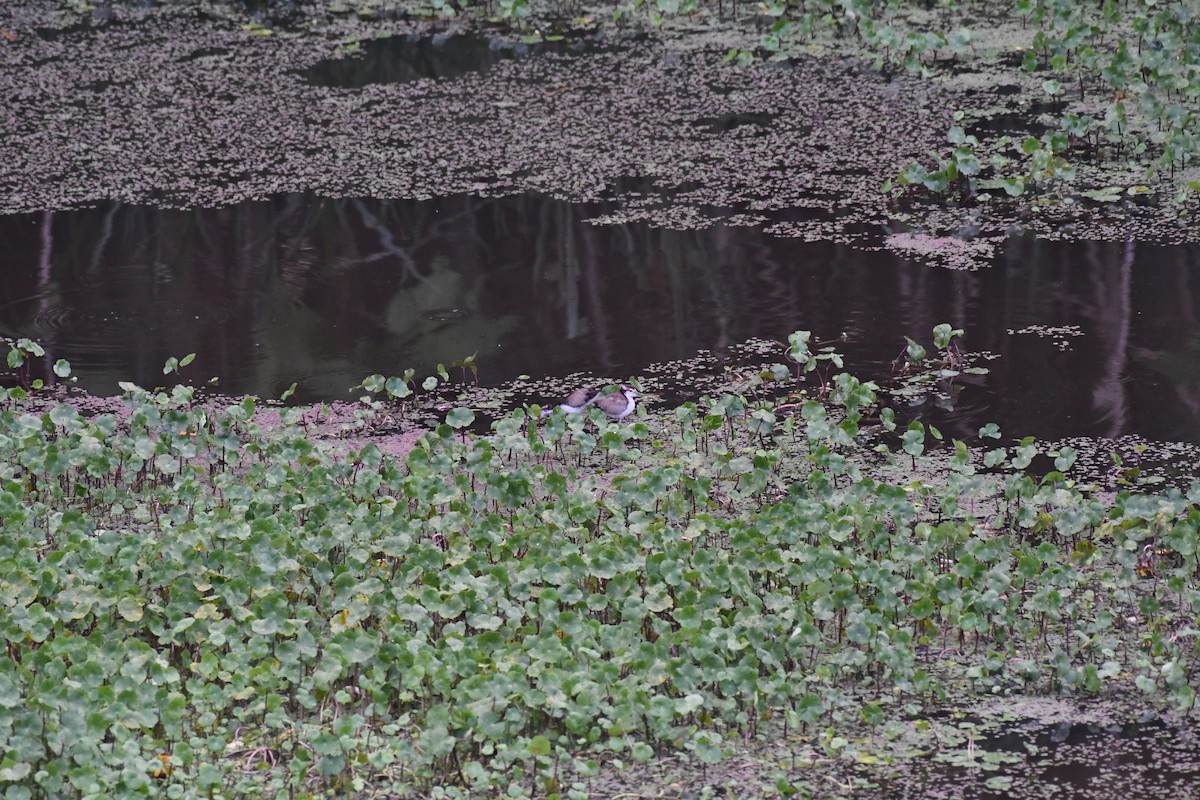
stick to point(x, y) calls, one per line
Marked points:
point(460, 418)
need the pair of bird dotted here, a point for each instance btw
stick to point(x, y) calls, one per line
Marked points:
point(616, 405)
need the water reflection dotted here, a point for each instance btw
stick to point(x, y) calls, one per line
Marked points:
point(326, 291)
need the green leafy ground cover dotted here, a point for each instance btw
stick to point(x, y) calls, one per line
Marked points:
point(202, 603)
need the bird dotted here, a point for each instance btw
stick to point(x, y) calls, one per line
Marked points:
point(575, 402)
point(617, 405)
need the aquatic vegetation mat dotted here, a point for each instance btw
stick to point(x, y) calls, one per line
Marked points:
point(184, 108)
point(202, 597)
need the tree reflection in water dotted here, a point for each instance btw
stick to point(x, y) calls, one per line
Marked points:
point(325, 291)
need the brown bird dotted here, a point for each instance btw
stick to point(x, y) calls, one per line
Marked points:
point(576, 401)
point(617, 405)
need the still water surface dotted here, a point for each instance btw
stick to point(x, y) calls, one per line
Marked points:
point(323, 292)
point(1144, 760)
point(442, 56)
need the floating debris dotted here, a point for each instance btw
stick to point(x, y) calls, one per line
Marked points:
point(1061, 335)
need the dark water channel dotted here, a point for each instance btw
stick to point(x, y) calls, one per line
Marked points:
point(1093, 338)
point(1142, 761)
point(443, 56)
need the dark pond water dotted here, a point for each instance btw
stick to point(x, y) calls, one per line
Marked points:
point(1016, 122)
point(1141, 761)
point(406, 58)
point(324, 292)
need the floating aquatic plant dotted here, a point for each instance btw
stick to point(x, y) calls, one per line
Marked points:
point(195, 600)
